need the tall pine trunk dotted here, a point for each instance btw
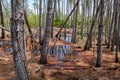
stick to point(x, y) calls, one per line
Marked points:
point(63, 25)
point(43, 58)
point(53, 15)
point(114, 35)
point(83, 18)
point(2, 20)
point(18, 40)
point(40, 21)
point(87, 44)
point(118, 33)
point(74, 32)
point(100, 35)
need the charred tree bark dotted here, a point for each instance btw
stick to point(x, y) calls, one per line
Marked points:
point(18, 40)
point(43, 58)
point(100, 35)
point(2, 20)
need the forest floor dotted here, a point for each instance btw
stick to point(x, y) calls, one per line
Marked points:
point(72, 67)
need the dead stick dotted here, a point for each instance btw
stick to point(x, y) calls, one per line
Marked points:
point(5, 29)
point(67, 19)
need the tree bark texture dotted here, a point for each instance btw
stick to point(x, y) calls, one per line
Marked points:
point(18, 40)
point(43, 58)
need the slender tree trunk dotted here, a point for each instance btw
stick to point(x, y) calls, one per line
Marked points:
point(100, 35)
point(74, 32)
point(118, 33)
point(111, 26)
point(115, 26)
point(59, 10)
point(88, 20)
point(94, 10)
point(52, 28)
point(107, 21)
point(87, 44)
point(67, 19)
point(55, 10)
point(43, 58)
point(67, 13)
point(2, 20)
point(18, 40)
point(83, 18)
point(44, 12)
point(28, 26)
point(40, 21)
point(65, 32)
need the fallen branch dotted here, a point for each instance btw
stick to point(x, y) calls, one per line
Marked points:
point(63, 25)
point(5, 29)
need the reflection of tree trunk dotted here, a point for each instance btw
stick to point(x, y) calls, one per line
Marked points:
point(74, 32)
point(18, 40)
point(43, 58)
point(67, 19)
point(2, 20)
point(100, 35)
point(87, 44)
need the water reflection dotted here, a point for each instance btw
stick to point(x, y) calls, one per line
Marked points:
point(61, 52)
point(68, 39)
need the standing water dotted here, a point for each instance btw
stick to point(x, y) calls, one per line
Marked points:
point(65, 50)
